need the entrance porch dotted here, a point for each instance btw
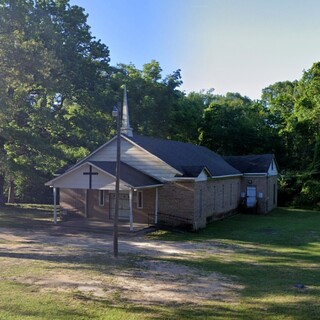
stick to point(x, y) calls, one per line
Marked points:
point(136, 206)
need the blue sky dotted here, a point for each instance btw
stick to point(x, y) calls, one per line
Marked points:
point(229, 45)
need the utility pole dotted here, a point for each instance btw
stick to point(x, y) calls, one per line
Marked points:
point(117, 113)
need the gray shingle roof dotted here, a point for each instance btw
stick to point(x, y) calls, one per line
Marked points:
point(128, 174)
point(251, 164)
point(186, 157)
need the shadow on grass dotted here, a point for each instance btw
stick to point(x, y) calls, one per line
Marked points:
point(281, 227)
point(272, 256)
point(268, 255)
point(25, 215)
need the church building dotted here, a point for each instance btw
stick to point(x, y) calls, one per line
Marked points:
point(165, 182)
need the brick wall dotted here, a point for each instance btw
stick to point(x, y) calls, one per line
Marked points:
point(199, 202)
point(176, 203)
point(267, 190)
point(73, 201)
point(220, 198)
point(146, 213)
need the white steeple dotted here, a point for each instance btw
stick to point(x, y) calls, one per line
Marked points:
point(126, 129)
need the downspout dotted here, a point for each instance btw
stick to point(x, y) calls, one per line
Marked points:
point(131, 208)
point(156, 207)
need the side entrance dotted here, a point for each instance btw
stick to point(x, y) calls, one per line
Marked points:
point(251, 196)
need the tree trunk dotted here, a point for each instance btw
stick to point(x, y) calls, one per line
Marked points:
point(11, 192)
point(1, 189)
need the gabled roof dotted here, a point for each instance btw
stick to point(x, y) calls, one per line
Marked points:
point(251, 164)
point(128, 174)
point(194, 171)
point(187, 158)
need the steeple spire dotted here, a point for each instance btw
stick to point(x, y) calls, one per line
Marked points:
point(126, 129)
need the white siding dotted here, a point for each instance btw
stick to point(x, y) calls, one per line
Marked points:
point(77, 180)
point(202, 176)
point(273, 169)
point(137, 158)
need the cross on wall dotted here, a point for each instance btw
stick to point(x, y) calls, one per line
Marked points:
point(90, 174)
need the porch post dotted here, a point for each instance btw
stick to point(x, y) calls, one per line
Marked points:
point(131, 206)
point(156, 208)
point(54, 205)
point(86, 204)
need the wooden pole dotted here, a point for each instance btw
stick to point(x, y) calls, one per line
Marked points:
point(116, 213)
point(54, 205)
point(131, 211)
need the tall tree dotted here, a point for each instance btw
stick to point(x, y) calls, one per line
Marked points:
point(53, 85)
point(235, 125)
point(280, 99)
point(187, 116)
point(152, 98)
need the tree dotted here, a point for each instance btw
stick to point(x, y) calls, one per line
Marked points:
point(53, 86)
point(152, 99)
point(235, 125)
point(187, 116)
point(295, 114)
point(280, 99)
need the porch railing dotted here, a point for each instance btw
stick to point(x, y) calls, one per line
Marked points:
point(172, 221)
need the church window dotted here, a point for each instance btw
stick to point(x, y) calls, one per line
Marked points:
point(223, 196)
point(200, 203)
point(140, 200)
point(101, 198)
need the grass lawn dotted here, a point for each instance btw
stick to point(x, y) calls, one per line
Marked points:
point(271, 256)
point(20, 215)
point(268, 257)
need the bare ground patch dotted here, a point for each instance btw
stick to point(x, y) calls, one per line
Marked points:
point(84, 264)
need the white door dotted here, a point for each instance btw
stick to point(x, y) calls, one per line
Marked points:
point(251, 196)
point(124, 206)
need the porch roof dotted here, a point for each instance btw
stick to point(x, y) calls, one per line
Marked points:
point(128, 174)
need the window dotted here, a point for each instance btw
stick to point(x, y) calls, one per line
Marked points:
point(140, 200)
point(231, 191)
point(274, 193)
point(101, 198)
point(222, 196)
point(214, 198)
point(200, 203)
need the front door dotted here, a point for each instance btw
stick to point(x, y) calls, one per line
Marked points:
point(251, 196)
point(124, 206)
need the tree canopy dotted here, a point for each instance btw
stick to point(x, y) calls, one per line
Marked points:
point(57, 90)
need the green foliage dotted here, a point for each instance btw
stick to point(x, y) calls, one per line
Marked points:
point(235, 125)
point(57, 91)
point(50, 65)
point(152, 100)
point(295, 114)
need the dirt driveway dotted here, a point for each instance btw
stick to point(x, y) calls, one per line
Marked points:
point(142, 274)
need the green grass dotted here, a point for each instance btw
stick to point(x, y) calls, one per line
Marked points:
point(265, 255)
point(25, 215)
point(269, 255)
